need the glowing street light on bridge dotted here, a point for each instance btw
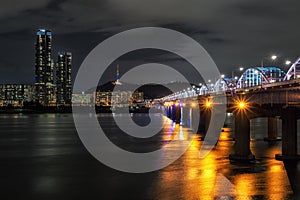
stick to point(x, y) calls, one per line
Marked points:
point(241, 68)
point(208, 104)
point(241, 105)
point(288, 62)
point(273, 57)
point(222, 76)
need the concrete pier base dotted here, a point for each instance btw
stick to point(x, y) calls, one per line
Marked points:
point(287, 157)
point(234, 157)
point(242, 150)
point(289, 135)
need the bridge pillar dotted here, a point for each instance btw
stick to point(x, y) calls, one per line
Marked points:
point(289, 135)
point(242, 150)
point(272, 129)
point(177, 114)
point(193, 119)
point(169, 112)
point(173, 112)
point(205, 116)
point(185, 116)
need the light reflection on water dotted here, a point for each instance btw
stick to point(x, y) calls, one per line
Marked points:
point(215, 177)
point(53, 136)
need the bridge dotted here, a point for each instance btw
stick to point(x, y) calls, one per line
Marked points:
point(258, 92)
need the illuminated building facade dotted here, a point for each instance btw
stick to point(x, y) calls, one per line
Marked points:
point(63, 78)
point(44, 88)
point(118, 98)
point(16, 94)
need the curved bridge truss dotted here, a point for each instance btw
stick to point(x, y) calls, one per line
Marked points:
point(259, 76)
point(252, 77)
point(293, 72)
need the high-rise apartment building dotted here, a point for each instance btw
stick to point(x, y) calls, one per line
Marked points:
point(63, 78)
point(44, 88)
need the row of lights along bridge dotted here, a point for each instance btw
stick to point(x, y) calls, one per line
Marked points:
point(252, 77)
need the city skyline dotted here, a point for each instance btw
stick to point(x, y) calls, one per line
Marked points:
point(149, 99)
point(51, 89)
point(251, 30)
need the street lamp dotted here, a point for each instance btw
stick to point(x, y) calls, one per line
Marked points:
point(240, 69)
point(273, 57)
point(235, 78)
point(288, 62)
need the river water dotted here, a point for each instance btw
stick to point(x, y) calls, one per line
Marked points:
point(42, 157)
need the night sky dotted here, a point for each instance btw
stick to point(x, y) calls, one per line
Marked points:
point(234, 32)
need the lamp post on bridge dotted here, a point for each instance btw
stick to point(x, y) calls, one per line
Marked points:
point(287, 62)
point(235, 78)
point(273, 58)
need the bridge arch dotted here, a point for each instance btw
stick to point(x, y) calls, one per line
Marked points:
point(223, 84)
point(260, 75)
point(203, 90)
point(293, 72)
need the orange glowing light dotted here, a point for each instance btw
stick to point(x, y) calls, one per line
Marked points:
point(241, 105)
point(208, 104)
point(176, 104)
point(167, 104)
point(193, 105)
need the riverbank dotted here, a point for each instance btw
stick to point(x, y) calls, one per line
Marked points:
point(65, 109)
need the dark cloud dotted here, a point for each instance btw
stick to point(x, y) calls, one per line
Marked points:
point(234, 32)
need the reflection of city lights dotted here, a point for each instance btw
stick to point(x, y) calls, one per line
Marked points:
point(275, 168)
point(176, 104)
point(245, 185)
point(193, 105)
